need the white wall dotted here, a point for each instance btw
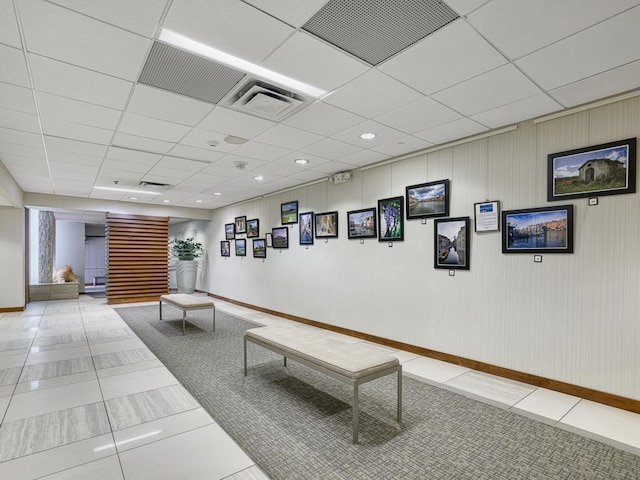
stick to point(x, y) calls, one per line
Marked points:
point(572, 318)
point(70, 249)
point(12, 263)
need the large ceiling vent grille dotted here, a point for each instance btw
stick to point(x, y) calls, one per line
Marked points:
point(177, 71)
point(257, 97)
point(374, 30)
point(156, 185)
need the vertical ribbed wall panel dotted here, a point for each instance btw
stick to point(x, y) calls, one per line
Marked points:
point(137, 258)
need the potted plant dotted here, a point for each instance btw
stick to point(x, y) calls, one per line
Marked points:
point(186, 251)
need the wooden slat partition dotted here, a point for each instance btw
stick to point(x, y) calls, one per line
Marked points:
point(137, 258)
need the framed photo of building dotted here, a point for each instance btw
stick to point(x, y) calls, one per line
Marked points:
point(362, 223)
point(305, 224)
point(259, 248)
point(225, 248)
point(280, 237)
point(326, 225)
point(241, 225)
point(428, 200)
point(289, 212)
point(253, 228)
point(229, 231)
point(451, 243)
point(241, 247)
point(391, 219)
point(605, 169)
point(538, 230)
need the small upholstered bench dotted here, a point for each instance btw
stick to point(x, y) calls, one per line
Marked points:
point(353, 364)
point(187, 303)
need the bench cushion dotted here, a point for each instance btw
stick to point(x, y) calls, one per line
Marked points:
point(350, 360)
point(186, 301)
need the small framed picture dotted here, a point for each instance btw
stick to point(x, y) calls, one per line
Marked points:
point(269, 239)
point(241, 247)
point(538, 230)
point(428, 200)
point(259, 248)
point(391, 219)
point(362, 223)
point(487, 216)
point(229, 231)
point(253, 228)
point(280, 237)
point(289, 212)
point(225, 248)
point(326, 225)
point(305, 225)
point(451, 243)
point(241, 225)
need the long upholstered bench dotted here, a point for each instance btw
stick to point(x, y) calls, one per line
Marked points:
point(353, 364)
point(187, 303)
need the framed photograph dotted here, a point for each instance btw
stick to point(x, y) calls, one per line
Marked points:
point(225, 248)
point(305, 224)
point(259, 248)
point(428, 200)
point(326, 225)
point(362, 223)
point(289, 212)
point(280, 237)
point(391, 219)
point(241, 247)
point(487, 216)
point(229, 231)
point(451, 243)
point(241, 225)
point(605, 169)
point(253, 228)
point(538, 230)
point(269, 239)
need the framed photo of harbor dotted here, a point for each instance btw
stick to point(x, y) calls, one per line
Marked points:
point(362, 223)
point(538, 230)
point(451, 243)
point(605, 169)
point(427, 200)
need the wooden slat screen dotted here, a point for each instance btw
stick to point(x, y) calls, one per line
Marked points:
point(137, 258)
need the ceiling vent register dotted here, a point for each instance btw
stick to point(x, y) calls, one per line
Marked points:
point(257, 97)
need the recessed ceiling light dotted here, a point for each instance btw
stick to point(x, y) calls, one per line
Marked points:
point(133, 198)
point(301, 161)
point(180, 41)
point(217, 194)
point(165, 201)
point(368, 136)
point(128, 190)
point(258, 178)
point(198, 201)
point(233, 140)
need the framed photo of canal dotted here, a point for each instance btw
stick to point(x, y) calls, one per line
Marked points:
point(605, 169)
point(451, 243)
point(362, 223)
point(538, 230)
point(428, 200)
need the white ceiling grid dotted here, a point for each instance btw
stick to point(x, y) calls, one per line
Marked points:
point(75, 115)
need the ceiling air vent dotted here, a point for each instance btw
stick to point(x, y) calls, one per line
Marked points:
point(259, 98)
point(162, 186)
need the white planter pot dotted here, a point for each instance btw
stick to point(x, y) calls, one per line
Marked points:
point(186, 271)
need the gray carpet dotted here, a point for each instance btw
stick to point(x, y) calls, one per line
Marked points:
point(296, 423)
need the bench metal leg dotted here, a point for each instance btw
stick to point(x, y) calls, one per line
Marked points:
point(184, 316)
point(160, 303)
point(285, 361)
point(400, 395)
point(245, 356)
point(355, 413)
point(214, 318)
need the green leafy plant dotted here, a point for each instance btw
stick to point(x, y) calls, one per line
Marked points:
point(187, 249)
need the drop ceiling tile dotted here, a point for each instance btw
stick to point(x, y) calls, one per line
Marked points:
point(619, 79)
point(133, 156)
point(330, 168)
point(29, 184)
point(74, 82)
point(202, 182)
point(19, 121)
point(62, 145)
point(287, 137)
point(517, 111)
point(308, 176)
point(420, 115)
point(280, 169)
point(229, 122)
point(305, 58)
point(229, 161)
point(464, 7)
point(71, 167)
point(452, 131)
point(73, 188)
point(75, 131)
point(133, 142)
point(155, 103)
point(261, 151)
point(323, 119)
point(54, 106)
point(74, 158)
point(188, 166)
point(152, 128)
point(141, 16)
point(111, 164)
point(21, 138)
point(35, 162)
point(383, 134)
point(64, 174)
point(221, 171)
point(451, 55)
point(293, 12)
point(108, 176)
point(246, 180)
point(21, 150)
point(9, 33)
point(193, 153)
point(331, 149)
point(14, 68)
point(403, 146)
point(371, 94)
point(493, 89)
point(83, 41)
point(242, 30)
point(29, 171)
point(199, 138)
point(587, 53)
point(171, 175)
point(365, 157)
point(519, 28)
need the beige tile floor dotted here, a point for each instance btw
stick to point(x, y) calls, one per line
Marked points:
point(82, 397)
